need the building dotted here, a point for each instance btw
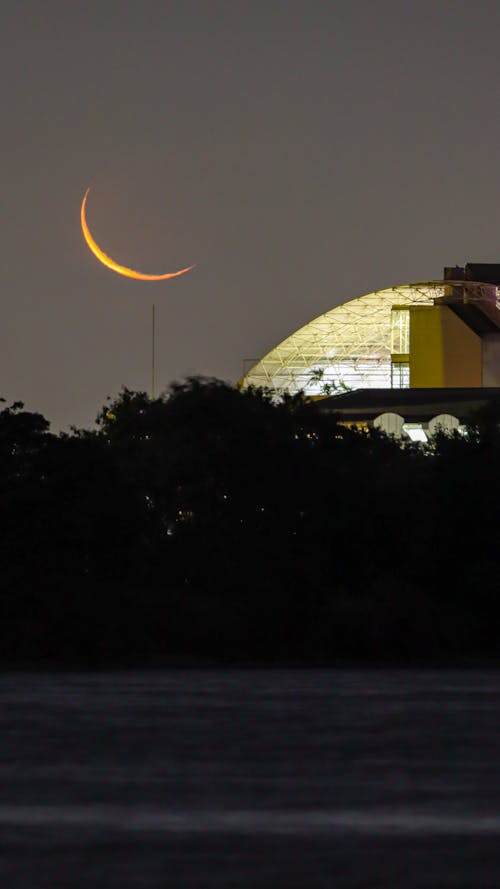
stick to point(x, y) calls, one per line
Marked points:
point(401, 357)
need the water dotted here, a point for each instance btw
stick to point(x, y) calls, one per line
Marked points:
point(280, 780)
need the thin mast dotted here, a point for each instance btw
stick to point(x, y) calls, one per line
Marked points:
point(153, 352)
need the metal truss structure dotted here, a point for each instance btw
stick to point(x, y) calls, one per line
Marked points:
point(348, 347)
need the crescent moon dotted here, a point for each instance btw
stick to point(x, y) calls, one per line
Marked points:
point(110, 263)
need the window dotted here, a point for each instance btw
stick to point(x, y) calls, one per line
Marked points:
point(400, 332)
point(400, 375)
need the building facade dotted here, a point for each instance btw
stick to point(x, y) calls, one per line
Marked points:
point(439, 337)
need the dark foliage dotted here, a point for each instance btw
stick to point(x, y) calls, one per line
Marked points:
point(215, 524)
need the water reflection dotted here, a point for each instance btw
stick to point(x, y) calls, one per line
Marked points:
point(374, 769)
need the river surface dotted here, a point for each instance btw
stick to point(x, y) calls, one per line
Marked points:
point(349, 779)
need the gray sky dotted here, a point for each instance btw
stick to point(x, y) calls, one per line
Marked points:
point(301, 152)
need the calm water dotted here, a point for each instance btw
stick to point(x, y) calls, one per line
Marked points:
point(250, 779)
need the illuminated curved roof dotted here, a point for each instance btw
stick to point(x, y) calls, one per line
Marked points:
point(347, 347)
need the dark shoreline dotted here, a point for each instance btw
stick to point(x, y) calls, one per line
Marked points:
point(214, 528)
point(200, 664)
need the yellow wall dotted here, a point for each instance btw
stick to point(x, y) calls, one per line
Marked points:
point(443, 350)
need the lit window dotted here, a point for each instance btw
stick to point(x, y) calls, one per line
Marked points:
point(415, 431)
point(400, 375)
point(400, 331)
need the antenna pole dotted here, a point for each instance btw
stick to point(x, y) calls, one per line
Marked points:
point(153, 352)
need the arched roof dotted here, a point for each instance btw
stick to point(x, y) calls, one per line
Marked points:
point(347, 346)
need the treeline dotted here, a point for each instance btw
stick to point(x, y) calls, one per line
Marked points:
point(218, 525)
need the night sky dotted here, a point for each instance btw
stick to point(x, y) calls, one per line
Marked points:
point(301, 153)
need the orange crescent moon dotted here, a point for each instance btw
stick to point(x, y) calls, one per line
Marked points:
point(110, 263)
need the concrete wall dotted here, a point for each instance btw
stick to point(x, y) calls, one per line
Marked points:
point(443, 350)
